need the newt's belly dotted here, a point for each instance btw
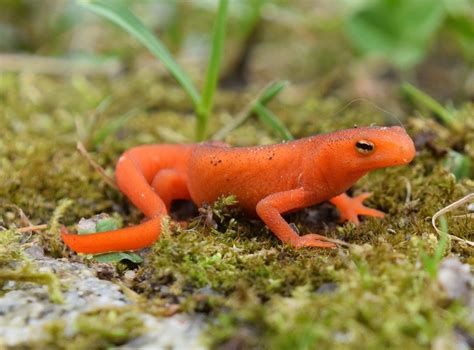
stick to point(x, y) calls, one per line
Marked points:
point(251, 174)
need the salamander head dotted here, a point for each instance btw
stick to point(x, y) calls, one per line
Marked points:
point(365, 149)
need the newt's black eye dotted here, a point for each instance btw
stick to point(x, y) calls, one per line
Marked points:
point(365, 147)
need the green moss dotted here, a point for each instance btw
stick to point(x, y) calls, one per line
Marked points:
point(29, 274)
point(380, 303)
point(101, 329)
point(51, 238)
point(10, 247)
point(15, 266)
point(256, 291)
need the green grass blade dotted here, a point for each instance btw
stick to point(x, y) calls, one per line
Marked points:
point(271, 91)
point(428, 102)
point(459, 164)
point(443, 242)
point(272, 121)
point(212, 76)
point(111, 127)
point(265, 96)
point(431, 262)
point(115, 11)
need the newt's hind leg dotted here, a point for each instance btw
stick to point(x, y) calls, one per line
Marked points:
point(349, 208)
point(170, 184)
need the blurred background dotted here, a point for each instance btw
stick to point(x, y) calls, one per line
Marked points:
point(349, 49)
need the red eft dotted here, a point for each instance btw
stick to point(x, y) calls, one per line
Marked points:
point(267, 180)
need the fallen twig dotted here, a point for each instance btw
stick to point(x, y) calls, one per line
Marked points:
point(108, 180)
point(408, 190)
point(32, 228)
point(338, 242)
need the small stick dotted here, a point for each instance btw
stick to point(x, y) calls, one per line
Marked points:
point(108, 180)
point(408, 190)
point(21, 213)
point(32, 228)
point(58, 66)
point(448, 208)
point(337, 241)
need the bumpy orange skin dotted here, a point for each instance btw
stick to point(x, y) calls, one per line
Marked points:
point(267, 180)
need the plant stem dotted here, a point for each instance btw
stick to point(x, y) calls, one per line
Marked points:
point(204, 108)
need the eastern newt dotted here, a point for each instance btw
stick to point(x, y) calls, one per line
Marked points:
point(267, 180)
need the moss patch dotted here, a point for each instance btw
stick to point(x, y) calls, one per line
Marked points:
point(256, 292)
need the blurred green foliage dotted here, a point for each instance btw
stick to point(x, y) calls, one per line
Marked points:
point(402, 30)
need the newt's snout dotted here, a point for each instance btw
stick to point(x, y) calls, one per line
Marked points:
point(406, 147)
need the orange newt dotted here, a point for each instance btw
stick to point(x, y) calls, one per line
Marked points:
point(267, 180)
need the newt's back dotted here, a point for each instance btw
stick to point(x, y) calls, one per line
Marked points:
point(250, 173)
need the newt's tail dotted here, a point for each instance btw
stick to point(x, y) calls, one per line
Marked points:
point(130, 238)
point(135, 172)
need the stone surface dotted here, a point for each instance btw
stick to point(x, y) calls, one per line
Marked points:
point(457, 281)
point(177, 332)
point(26, 308)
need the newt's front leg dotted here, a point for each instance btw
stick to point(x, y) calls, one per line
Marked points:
point(270, 208)
point(349, 208)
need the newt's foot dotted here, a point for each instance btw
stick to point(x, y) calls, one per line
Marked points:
point(350, 208)
point(312, 240)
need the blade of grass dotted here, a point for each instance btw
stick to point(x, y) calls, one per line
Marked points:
point(218, 36)
point(265, 96)
point(272, 121)
point(443, 243)
point(431, 262)
point(271, 91)
point(459, 164)
point(115, 11)
point(85, 127)
point(428, 102)
point(112, 127)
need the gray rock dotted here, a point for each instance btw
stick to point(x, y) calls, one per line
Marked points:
point(177, 332)
point(25, 309)
point(458, 282)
